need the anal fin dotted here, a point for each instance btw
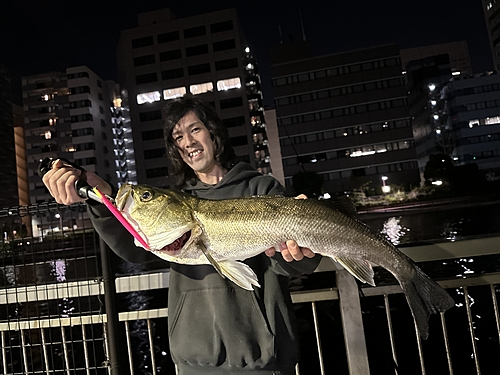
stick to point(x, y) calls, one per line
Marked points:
point(361, 269)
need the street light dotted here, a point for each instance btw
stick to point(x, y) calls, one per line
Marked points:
point(385, 188)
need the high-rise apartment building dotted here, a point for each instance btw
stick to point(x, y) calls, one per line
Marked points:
point(164, 58)
point(73, 115)
point(471, 107)
point(491, 9)
point(345, 116)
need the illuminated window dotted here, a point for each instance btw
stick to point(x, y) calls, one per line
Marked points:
point(201, 88)
point(492, 120)
point(473, 123)
point(47, 134)
point(228, 84)
point(148, 97)
point(174, 93)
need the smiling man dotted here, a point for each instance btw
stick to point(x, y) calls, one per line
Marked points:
point(215, 327)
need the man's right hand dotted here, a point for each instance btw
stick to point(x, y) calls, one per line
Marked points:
point(61, 179)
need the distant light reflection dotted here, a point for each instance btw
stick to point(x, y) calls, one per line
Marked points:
point(393, 231)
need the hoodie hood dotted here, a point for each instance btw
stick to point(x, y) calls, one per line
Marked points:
point(239, 181)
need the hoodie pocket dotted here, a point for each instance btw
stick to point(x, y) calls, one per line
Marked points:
point(220, 325)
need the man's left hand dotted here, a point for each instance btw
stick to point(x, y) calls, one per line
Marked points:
point(291, 251)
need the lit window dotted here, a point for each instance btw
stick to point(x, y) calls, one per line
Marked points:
point(249, 66)
point(174, 93)
point(48, 134)
point(492, 120)
point(52, 121)
point(201, 88)
point(228, 84)
point(489, 6)
point(148, 97)
point(473, 123)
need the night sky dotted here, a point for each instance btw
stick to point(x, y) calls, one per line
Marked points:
point(42, 36)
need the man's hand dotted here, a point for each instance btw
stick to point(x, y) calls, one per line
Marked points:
point(61, 179)
point(291, 251)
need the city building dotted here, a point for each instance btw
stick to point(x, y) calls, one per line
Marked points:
point(491, 9)
point(73, 115)
point(345, 116)
point(426, 78)
point(471, 107)
point(9, 196)
point(458, 52)
point(164, 58)
point(21, 161)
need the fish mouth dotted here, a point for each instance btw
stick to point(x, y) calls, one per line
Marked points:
point(178, 244)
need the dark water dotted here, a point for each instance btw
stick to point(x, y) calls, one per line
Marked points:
point(439, 223)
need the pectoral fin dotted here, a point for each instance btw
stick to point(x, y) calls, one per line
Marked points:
point(239, 273)
point(361, 269)
point(212, 261)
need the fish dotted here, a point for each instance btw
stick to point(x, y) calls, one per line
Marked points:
point(185, 229)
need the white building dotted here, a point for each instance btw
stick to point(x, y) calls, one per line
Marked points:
point(69, 115)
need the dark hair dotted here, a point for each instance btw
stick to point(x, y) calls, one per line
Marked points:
point(172, 114)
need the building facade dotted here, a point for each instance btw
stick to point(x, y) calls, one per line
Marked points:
point(345, 116)
point(164, 58)
point(69, 115)
point(472, 110)
point(432, 133)
point(491, 10)
point(458, 52)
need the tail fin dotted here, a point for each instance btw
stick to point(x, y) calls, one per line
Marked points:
point(425, 297)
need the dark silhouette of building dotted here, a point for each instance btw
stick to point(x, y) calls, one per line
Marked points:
point(9, 195)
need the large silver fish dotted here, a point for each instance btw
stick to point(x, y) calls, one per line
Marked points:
point(188, 230)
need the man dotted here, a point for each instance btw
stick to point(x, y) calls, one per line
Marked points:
point(215, 327)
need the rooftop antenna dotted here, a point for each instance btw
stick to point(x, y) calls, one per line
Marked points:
point(302, 26)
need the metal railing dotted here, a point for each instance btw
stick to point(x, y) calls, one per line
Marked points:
point(53, 316)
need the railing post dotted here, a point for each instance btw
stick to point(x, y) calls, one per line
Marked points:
point(112, 325)
point(352, 324)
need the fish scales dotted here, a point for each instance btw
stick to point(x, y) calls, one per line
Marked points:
point(229, 224)
point(184, 229)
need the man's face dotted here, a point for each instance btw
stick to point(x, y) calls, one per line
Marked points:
point(194, 143)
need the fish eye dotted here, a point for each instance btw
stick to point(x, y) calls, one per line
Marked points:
point(146, 196)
